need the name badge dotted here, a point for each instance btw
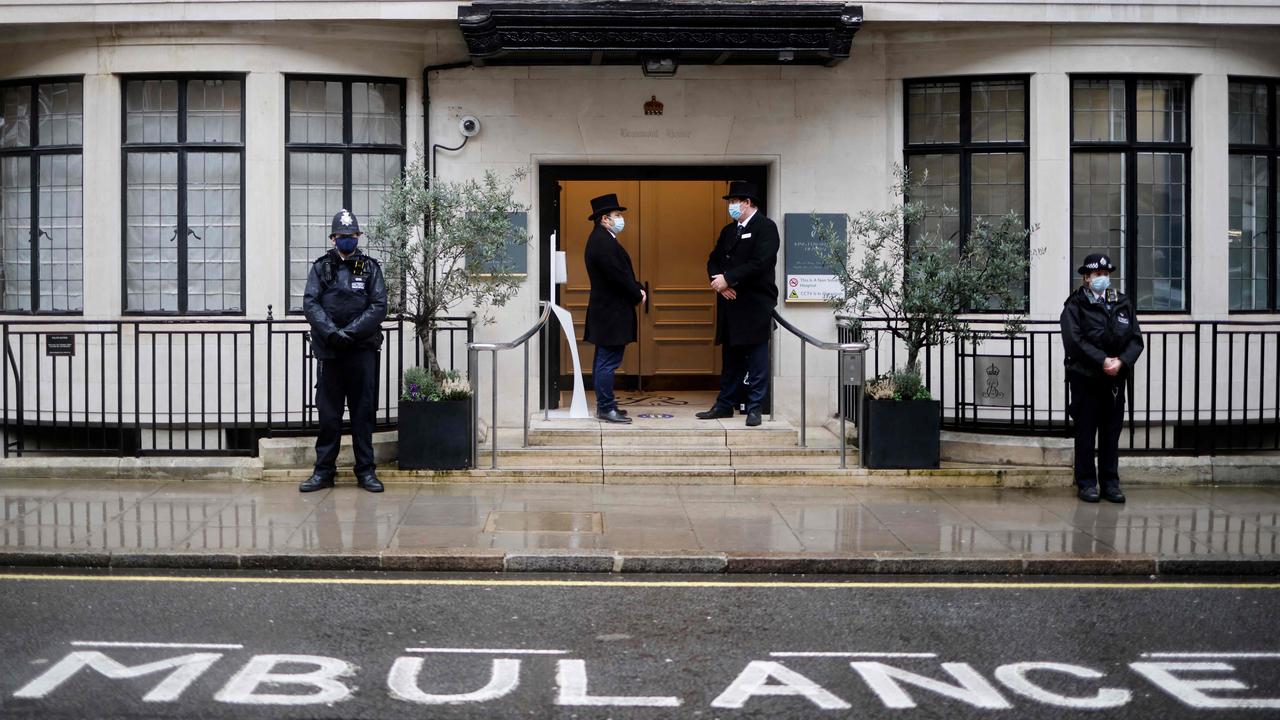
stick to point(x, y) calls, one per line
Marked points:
point(1122, 319)
point(746, 235)
point(357, 284)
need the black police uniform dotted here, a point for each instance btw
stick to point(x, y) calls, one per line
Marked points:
point(345, 302)
point(1093, 330)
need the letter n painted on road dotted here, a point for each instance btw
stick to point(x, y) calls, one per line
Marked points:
point(403, 683)
point(973, 688)
point(260, 670)
point(753, 681)
point(571, 677)
point(184, 670)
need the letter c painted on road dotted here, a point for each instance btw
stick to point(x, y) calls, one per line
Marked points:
point(1014, 677)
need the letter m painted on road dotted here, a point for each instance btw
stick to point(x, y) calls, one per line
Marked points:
point(183, 670)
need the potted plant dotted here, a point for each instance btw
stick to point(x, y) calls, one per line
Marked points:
point(898, 265)
point(441, 244)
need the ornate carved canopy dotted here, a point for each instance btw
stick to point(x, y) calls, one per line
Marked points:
point(623, 32)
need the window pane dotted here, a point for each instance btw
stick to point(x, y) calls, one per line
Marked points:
point(371, 177)
point(933, 113)
point(315, 194)
point(213, 111)
point(1098, 211)
point(375, 113)
point(1162, 111)
point(60, 113)
point(1162, 233)
point(61, 234)
point(999, 185)
point(1247, 232)
point(15, 104)
point(1097, 110)
point(1247, 113)
point(151, 232)
point(939, 179)
point(15, 233)
point(998, 111)
point(213, 243)
point(151, 111)
point(315, 112)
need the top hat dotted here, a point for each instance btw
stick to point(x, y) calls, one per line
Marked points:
point(743, 189)
point(1094, 262)
point(344, 223)
point(604, 204)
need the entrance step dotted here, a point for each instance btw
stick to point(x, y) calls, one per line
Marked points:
point(657, 433)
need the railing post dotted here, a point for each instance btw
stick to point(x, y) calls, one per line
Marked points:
point(472, 372)
point(493, 414)
point(803, 373)
point(773, 386)
point(270, 373)
point(4, 385)
point(524, 405)
point(840, 403)
point(546, 369)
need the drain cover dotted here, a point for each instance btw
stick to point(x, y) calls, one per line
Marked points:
point(655, 416)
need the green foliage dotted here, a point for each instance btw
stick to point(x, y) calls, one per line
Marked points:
point(905, 384)
point(894, 263)
point(442, 242)
point(423, 384)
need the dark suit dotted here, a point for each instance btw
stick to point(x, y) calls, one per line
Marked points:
point(611, 309)
point(748, 259)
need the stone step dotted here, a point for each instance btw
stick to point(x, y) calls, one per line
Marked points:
point(658, 433)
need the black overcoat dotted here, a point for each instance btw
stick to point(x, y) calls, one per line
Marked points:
point(1093, 332)
point(748, 264)
point(615, 292)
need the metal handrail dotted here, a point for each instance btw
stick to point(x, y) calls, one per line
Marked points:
point(473, 366)
point(841, 349)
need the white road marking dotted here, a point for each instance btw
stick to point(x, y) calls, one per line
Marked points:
point(1015, 678)
point(194, 646)
point(183, 671)
point(1191, 690)
point(486, 651)
point(852, 655)
point(754, 679)
point(1239, 655)
point(402, 682)
point(260, 671)
point(971, 688)
point(571, 679)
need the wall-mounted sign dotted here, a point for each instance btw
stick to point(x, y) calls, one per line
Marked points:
point(808, 279)
point(516, 260)
point(60, 345)
point(993, 380)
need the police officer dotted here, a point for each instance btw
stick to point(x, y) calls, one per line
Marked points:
point(1102, 342)
point(345, 302)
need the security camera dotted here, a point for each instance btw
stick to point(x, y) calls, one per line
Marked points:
point(469, 126)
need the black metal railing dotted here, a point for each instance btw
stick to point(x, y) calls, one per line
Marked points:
point(1201, 387)
point(210, 386)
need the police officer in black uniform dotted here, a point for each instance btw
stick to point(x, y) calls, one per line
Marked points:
point(1102, 341)
point(345, 302)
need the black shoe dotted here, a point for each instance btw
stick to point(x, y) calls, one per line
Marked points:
point(614, 416)
point(369, 481)
point(315, 482)
point(1088, 494)
point(715, 413)
point(1113, 494)
point(622, 412)
point(753, 418)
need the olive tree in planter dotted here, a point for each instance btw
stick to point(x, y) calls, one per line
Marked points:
point(897, 265)
point(443, 243)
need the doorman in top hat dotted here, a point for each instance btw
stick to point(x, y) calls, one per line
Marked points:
point(1102, 342)
point(741, 269)
point(345, 302)
point(611, 308)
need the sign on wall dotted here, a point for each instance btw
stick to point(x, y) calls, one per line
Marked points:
point(516, 260)
point(59, 345)
point(808, 279)
point(993, 380)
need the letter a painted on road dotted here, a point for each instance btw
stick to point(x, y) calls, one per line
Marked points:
point(753, 681)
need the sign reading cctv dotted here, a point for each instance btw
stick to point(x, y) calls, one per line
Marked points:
point(164, 672)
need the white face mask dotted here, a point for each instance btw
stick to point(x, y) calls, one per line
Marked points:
point(735, 210)
point(618, 224)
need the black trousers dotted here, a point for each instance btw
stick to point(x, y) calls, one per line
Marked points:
point(1097, 407)
point(743, 361)
point(350, 381)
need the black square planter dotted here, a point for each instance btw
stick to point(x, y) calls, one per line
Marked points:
point(902, 434)
point(435, 435)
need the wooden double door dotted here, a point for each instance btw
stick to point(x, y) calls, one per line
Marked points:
point(672, 226)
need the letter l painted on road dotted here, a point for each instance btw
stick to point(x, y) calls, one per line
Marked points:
point(571, 677)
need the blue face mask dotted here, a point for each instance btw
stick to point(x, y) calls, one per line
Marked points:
point(618, 224)
point(735, 210)
point(346, 244)
point(1100, 284)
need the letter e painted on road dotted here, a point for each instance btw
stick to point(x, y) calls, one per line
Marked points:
point(184, 670)
point(973, 688)
point(325, 679)
point(571, 678)
point(753, 682)
point(1189, 691)
point(403, 683)
point(1014, 676)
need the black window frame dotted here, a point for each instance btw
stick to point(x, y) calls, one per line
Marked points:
point(346, 148)
point(1131, 147)
point(181, 147)
point(966, 149)
point(1271, 150)
point(35, 151)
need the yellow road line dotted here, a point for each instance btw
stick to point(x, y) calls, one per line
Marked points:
point(472, 582)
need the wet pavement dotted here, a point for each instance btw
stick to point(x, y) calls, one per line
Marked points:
point(1197, 521)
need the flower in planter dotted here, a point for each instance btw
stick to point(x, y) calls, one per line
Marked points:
point(904, 384)
point(420, 384)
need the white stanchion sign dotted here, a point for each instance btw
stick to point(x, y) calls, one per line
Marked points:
point(560, 276)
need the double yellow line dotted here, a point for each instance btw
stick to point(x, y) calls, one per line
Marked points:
point(632, 584)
